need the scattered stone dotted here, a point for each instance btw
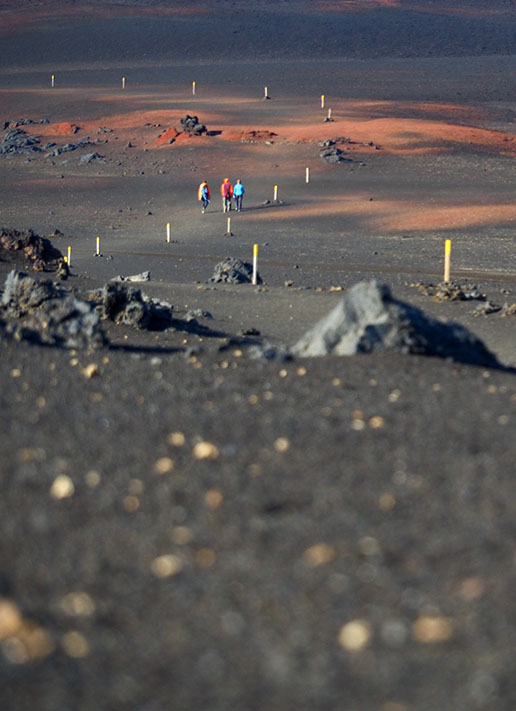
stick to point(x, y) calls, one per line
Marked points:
point(17, 142)
point(68, 147)
point(194, 314)
point(487, 308)
point(449, 291)
point(90, 157)
point(369, 319)
point(38, 251)
point(127, 305)
point(508, 310)
point(192, 126)
point(134, 278)
point(49, 315)
point(233, 271)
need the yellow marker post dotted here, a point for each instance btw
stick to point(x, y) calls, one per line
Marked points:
point(123, 82)
point(168, 232)
point(307, 175)
point(97, 253)
point(193, 88)
point(275, 193)
point(255, 263)
point(52, 81)
point(322, 101)
point(69, 256)
point(447, 260)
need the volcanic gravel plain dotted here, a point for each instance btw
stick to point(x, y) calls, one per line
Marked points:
point(184, 526)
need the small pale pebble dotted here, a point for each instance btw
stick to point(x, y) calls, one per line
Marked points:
point(205, 450)
point(62, 487)
point(355, 635)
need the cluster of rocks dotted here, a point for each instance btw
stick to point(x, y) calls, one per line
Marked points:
point(191, 125)
point(331, 153)
point(22, 122)
point(450, 291)
point(233, 271)
point(47, 314)
point(68, 147)
point(38, 251)
point(368, 319)
point(15, 141)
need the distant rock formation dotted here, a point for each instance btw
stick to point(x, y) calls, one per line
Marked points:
point(369, 319)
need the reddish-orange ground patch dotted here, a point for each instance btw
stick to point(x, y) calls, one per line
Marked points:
point(166, 137)
point(65, 128)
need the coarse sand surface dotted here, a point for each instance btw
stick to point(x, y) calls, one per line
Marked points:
point(186, 527)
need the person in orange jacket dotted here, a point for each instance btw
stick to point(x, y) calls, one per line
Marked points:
point(203, 194)
point(226, 190)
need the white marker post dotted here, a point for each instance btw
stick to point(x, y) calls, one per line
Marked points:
point(447, 260)
point(97, 253)
point(228, 233)
point(52, 81)
point(329, 114)
point(168, 232)
point(266, 92)
point(193, 88)
point(69, 257)
point(322, 101)
point(275, 193)
point(255, 263)
point(307, 177)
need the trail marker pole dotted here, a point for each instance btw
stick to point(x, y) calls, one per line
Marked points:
point(69, 257)
point(266, 92)
point(307, 177)
point(275, 193)
point(123, 82)
point(229, 233)
point(52, 81)
point(97, 253)
point(329, 114)
point(193, 88)
point(447, 260)
point(255, 263)
point(168, 232)
point(322, 101)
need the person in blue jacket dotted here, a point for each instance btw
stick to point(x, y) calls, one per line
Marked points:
point(238, 194)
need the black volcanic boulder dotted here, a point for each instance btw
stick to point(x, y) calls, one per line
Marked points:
point(369, 319)
point(233, 271)
point(192, 126)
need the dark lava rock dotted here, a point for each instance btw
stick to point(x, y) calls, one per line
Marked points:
point(192, 126)
point(49, 315)
point(233, 271)
point(369, 319)
point(39, 251)
point(127, 305)
point(17, 142)
point(68, 147)
point(90, 157)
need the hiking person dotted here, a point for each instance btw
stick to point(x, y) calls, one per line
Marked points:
point(226, 190)
point(238, 194)
point(203, 194)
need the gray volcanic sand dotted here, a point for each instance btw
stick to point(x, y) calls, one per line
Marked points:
point(343, 539)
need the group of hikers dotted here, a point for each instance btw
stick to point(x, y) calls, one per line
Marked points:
point(227, 191)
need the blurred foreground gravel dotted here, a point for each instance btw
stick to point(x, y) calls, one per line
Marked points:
point(220, 533)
